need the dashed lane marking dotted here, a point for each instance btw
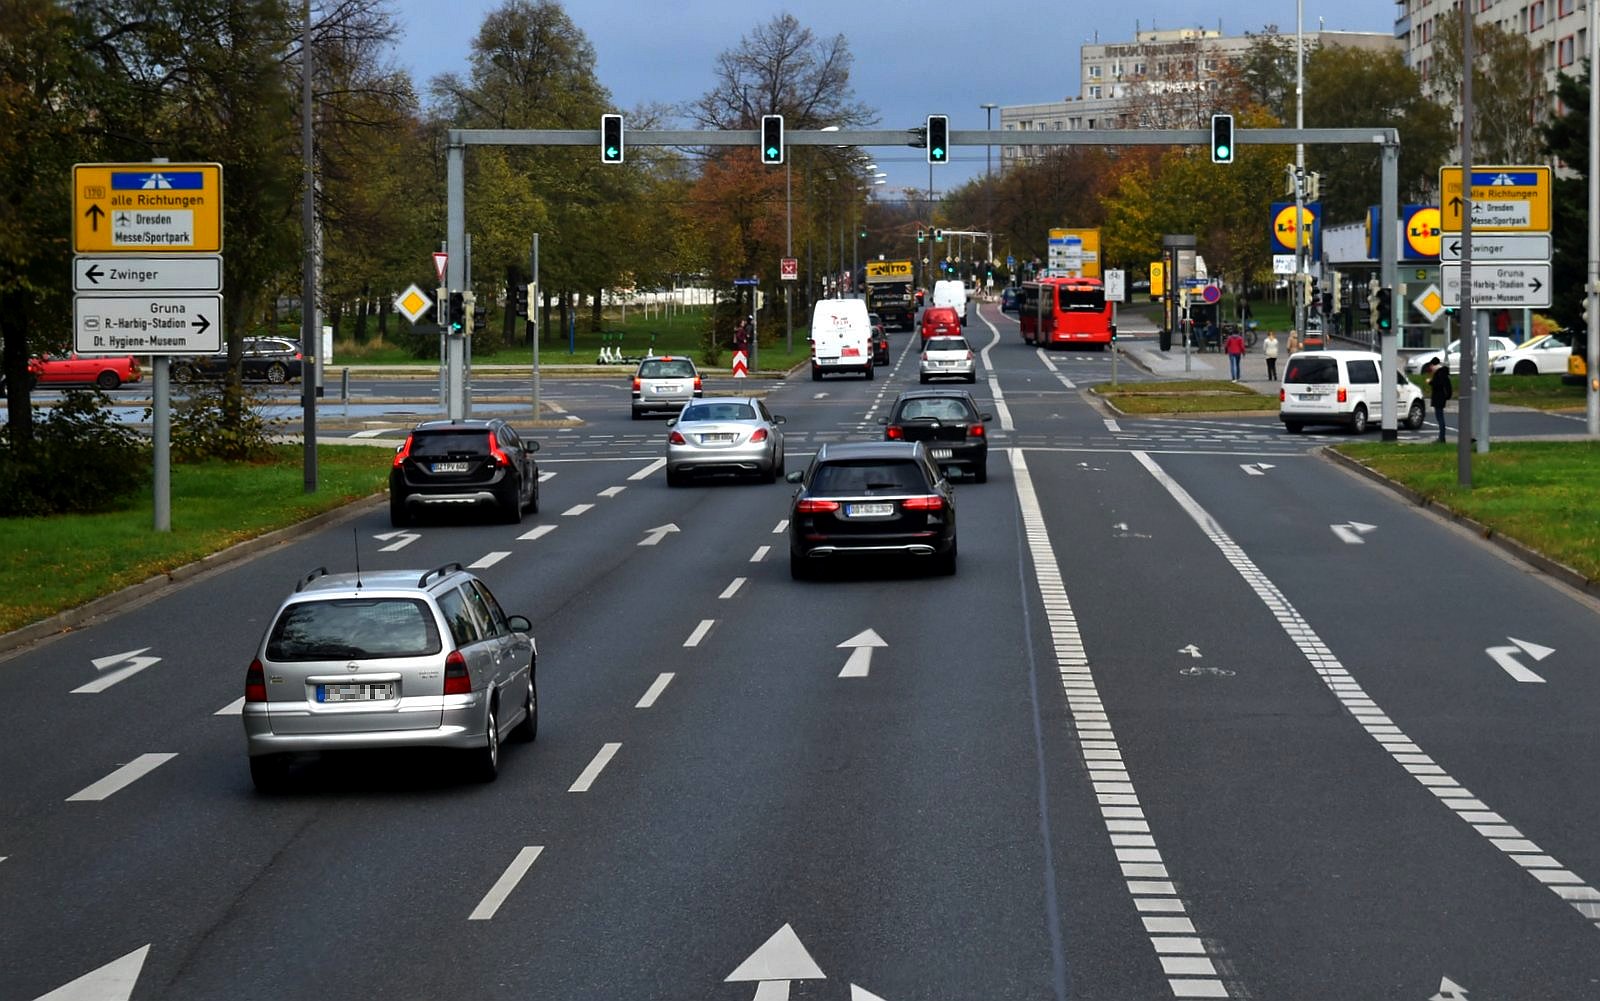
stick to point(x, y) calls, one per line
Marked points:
point(537, 532)
point(760, 554)
point(654, 691)
point(732, 589)
point(646, 471)
point(595, 767)
point(699, 632)
point(488, 560)
point(1068, 383)
point(506, 883)
point(783, 526)
point(575, 510)
point(120, 779)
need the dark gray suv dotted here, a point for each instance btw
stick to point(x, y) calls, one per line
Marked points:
point(464, 464)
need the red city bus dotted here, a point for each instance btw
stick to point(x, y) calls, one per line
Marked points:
point(1065, 311)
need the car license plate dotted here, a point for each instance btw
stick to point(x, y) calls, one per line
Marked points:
point(664, 387)
point(868, 510)
point(355, 692)
point(1310, 396)
point(716, 437)
point(940, 453)
point(449, 467)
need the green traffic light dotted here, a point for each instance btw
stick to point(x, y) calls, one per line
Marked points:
point(1223, 152)
point(938, 153)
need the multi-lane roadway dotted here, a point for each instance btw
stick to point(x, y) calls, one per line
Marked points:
point(1202, 714)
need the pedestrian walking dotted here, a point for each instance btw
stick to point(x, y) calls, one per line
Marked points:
point(1293, 347)
point(1234, 346)
point(1440, 390)
point(1269, 350)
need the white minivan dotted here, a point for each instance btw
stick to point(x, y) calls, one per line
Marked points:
point(841, 337)
point(1342, 387)
point(953, 294)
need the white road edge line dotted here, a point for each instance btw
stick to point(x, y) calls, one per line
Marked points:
point(652, 693)
point(592, 772)
point(123, 777)
point(993, 379)
point(488, 560)
point(646, 471)
point(733, 588)
point(506, 883)
point(699, 632)
point(1417, 763)
point(1188, 968)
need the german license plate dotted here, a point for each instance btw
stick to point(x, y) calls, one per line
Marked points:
point(355, 692)
point(868, 510)
point(940, 453)
point(449, 467)
point(716, 437)
point(1310, 396)
point(665, 387)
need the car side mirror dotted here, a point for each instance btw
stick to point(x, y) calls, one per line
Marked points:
point(779, 419)
point(794, 475)
point(671, 421)
point(519, 624)
point(530, 446)
point(986, 417)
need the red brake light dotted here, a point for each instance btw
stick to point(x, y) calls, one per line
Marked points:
point(894, 431)
point(456, 679)
point(676, 438)
point(760, 435)
point(1344, 395)
point(1280, 394)
point(974, 430)
point(697, 382)
point(255, 682)
point(809, 506)
point(404, 452)
point(499, 454)
point(933, 502)
point(635, 384)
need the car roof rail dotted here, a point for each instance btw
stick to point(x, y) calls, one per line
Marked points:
point(442, 570)
point(308, 578)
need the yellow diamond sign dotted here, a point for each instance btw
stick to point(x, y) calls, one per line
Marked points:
point(1430, 303)
point(412, 303)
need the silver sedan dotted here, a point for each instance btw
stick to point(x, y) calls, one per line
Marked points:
point(730, 434)
point(947, 357)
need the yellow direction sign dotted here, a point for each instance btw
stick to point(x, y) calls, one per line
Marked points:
point(143, 207)
point(1504, 199)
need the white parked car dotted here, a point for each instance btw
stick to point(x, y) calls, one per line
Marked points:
point(1452, 354)
point(947, 357)
point(1345, 388)
point(1543, 355)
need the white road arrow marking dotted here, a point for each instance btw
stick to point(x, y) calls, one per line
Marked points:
point(1191, 650)
point(1352, 531)
point(655, 535)
point(111, 982)
point(234, 708)
point(862, 994)
point(611, 491)
point(781, 959)
point(401, 537)
point(134, 664)
point(860, 646)
point(1256, 468)
point(1506, 657)
point(1449, 990)
point(819, 396)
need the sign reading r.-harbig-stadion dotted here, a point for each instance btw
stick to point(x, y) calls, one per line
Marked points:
point(143, 207)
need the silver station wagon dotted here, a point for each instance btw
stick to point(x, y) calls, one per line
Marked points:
point(388, 659)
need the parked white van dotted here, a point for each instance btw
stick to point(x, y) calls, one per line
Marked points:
point(841, 337)
point(953, 294)
point(1342, 387)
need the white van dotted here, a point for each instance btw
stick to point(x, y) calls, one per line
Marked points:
point(841, 337)
point(953, 294)
point(1343, 387)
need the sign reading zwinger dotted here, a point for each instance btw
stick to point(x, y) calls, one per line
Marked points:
point(1504, 199)
point(147, 207)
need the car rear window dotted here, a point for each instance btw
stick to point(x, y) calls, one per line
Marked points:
point(718, 412)
point(674, 369)
point(889, 476)
point(946, 408)
point(353, 628)
point(1305, 368)
point(448, 442)
point(945, 344)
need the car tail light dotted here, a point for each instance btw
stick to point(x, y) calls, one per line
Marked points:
point(1281, 396)
point(1344, 395)
point(405, 451)
point(933, 502)
point(635, 384)
point(255, 682)
point(456, 679)
point(969, 355)
point(697, 383)
point(894, 432)
point(809, 506)
point(500, 457)
point(974, 430)
point(676, 438)
point(760, 435)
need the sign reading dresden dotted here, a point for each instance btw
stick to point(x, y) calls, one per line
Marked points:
point(144, 207)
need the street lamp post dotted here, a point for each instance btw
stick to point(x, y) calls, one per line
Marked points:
point(988, 164)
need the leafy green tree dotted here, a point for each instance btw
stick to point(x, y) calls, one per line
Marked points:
point(1566, 138)
point(1508, 88)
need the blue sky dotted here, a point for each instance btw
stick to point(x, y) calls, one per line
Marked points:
point(912, 59)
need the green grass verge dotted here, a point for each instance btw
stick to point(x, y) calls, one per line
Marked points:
point(51, 564)
point(1541, 392)
point(1544, 494)
point(1186, 396)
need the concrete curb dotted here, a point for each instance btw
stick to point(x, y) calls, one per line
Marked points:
point(147, 590)
point(1534, 559)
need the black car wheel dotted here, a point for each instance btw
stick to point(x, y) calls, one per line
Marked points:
point(527, 731)
point(511, 502)
point(1358, 420)
point(277, 374)
point(533, 498)
point(269, 772)
point(484, 762)
point(946, 562)
point(399, 517)
point(1415, 418)
point(107, 380)
point(182, 374)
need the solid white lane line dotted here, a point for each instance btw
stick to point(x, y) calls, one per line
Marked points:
point(760, 554)
point(536, 532)
point(993, 379)
point(699, 632)
point(1060, 375)
point(575, 510)
point(783, 526)
point(646, 471)
point(1405, 752)
point(732, 589)
point(654, 691)
point(505, 884)
point(1154, 894)
point(234, 708)
point(592, 772)
point(125, 776)
point(488, 560)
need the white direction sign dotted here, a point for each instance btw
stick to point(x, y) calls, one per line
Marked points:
point(1496, 285)
point(147, 324)
point(1116, 285)
point(150, 273)
point(1498, 247)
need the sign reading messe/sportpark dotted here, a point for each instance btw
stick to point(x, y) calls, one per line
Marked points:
point(143, 207)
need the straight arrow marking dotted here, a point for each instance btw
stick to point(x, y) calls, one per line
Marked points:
point(781, 957)
point(655, 535)
point(1191, 650)
point(111, 982)
point(860, 646)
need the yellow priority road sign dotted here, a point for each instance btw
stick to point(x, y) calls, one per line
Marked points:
point(144, 207)
point(1504, 199)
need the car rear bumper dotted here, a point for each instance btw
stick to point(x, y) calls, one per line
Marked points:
point(843, 547)
point(742, 459)
point(1317, 417)
point(462, 719)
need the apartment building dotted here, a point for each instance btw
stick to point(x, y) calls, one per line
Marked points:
point(1557, 30)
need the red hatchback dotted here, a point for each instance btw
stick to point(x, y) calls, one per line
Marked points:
point(940, 321)
point(104, 371)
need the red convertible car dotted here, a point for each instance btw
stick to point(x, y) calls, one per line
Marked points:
point(105, 371)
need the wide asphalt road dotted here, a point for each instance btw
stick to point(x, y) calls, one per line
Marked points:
point(1201, 715)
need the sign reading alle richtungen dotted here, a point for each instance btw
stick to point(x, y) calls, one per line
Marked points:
point(147, 207)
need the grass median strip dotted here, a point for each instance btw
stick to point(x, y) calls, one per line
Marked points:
point(50, 564)
point(1187, 396)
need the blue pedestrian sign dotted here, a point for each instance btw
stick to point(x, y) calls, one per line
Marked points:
point(747, 281)
point(1011, 262)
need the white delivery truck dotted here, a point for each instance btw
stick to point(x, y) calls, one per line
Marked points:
point(953, 294)
point(841, 338)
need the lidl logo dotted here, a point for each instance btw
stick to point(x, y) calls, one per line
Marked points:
point(1284, 228)
point(1423, 232)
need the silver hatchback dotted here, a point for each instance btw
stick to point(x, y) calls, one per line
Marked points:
point(386, 659)
point(664, 383)
point(733, 434)
point(947, 358)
